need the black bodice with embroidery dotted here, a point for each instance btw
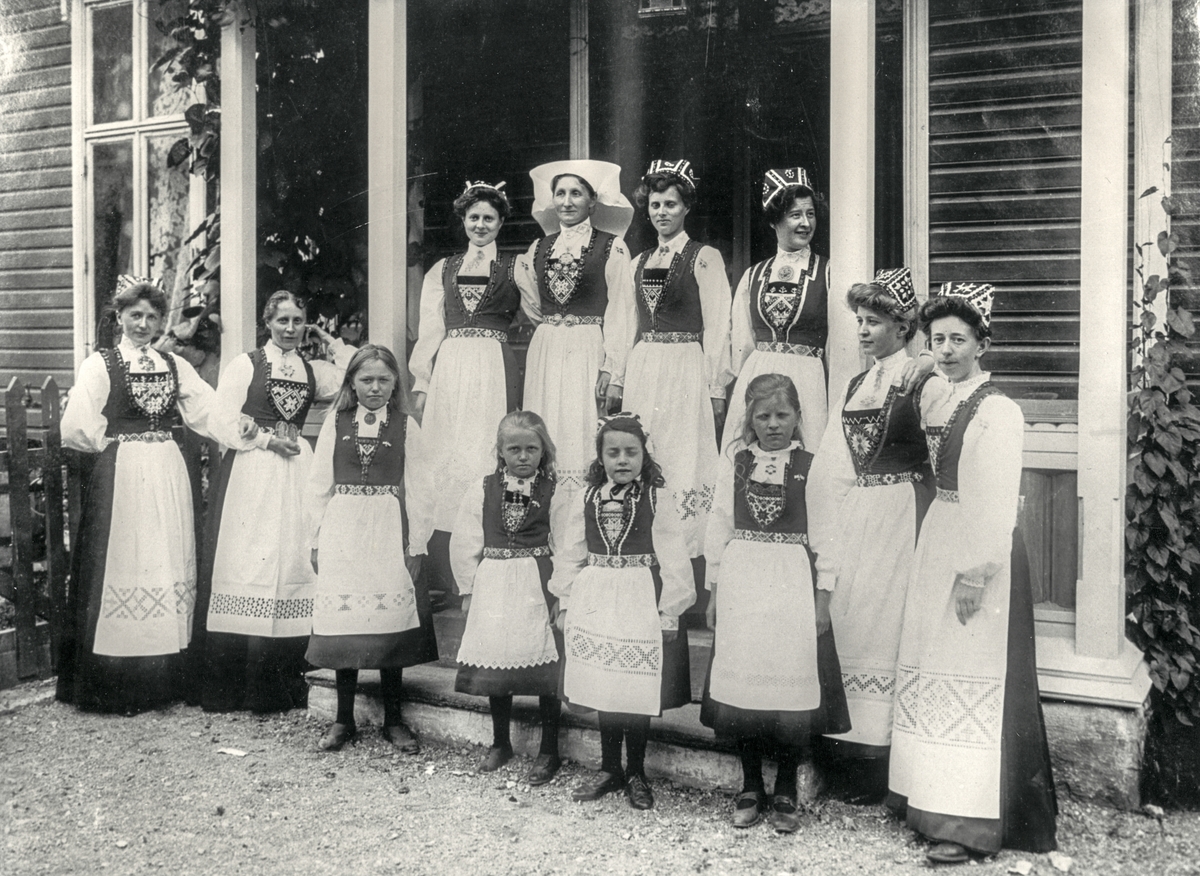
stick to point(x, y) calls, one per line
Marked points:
point(623, 531)
point(774, 508)
point(370, 462)
point(887, 439)
point(790, 312)
point(484, 302)
point(140, 402)
point(668, 299)
point(946, 442)
point(569, 285)
point(511, 522)
point(272, 398)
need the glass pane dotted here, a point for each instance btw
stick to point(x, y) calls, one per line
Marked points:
point(1049, 522)
point(163, 96)
point(112, 63)
point(112, 222)
point(167, 190)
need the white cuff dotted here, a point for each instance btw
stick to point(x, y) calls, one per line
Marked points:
point(668, 622)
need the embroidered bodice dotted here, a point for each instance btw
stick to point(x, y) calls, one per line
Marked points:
point(945, 442)
point(516, 514)
point(569, 284)
point(140, 401)
point(789, 311)
point(887, 439)
point(769, 490)
point(485, 301)
point(620, 524)
point(668, 298)
point(273, 397)
point(372, 460)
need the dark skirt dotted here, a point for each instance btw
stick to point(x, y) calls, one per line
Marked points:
point(381, 650)
point(788, 727)
point(1028, 803)
point(95, 682)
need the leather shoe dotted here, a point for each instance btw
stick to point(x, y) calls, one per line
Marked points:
point(543, 770)
point(401, 737)
point(637, 789)
point(749, 808)
point(784, 817)
point(947, 853)
point(605, 782)
point(494, 759)
point(338, 735)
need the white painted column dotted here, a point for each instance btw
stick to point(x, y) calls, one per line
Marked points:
point(239, 187)
point(1151, 151)
point(580, 138)
point(916, 144)
point(387, 175)
point(851, 175)
point(1100, 597)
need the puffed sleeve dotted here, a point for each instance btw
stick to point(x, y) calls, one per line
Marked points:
point(570, 548)
point(466, 541)
point(829, 480)
point(227, 406)
point(720, 522)
point(989, 486)
point(433, 328)
point(320, 477)
point(83, 421)
point(678, 585)
point(620, 317)
point(526, 279)
point(741, 334)
point(715, 308)
point(329, 375)
point(196, 398)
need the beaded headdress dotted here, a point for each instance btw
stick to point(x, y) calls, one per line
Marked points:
point(898, 282)
point(626, 415)
point(978, 295)
point(498, 188)
point(681, 169)
point(775, 181)
point(125, 281)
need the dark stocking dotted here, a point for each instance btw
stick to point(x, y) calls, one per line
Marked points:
point(751, 751)
point(391, 688)
point(637, 731)
point(611, 731)
point(501, 718)
point(789, 761)
point(347, 685)
point(549, 709)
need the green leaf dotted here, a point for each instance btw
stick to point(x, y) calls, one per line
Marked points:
point(1169, 441)
point(1155, 461)
point(1181, 321)
point(1167, 243)
point(1148, 192)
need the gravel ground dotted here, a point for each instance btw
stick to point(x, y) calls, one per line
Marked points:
point(93, 794)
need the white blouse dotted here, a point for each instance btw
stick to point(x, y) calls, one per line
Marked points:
point(83, 421)
point(620, 316)
point(235, 382)
point(714, 307)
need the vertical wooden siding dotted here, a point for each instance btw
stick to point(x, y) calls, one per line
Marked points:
point(35, 193)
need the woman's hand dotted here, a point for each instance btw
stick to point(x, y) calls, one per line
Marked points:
point(325, 337)
point(710, 610)
point(560, 622)
point(718, 409)
point(284, 446)
point(247, 428)
point(670, 636)
point(913, 371)
point(607, 395)
point(413, 565)
point(312, 558)
point(967, 600)
point(823, 620)
point(466, 604)
point(418, 400)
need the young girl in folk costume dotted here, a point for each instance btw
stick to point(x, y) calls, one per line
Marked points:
point(578, 278)
point(622, 583)
point(868, 492)
point(258, 570)
point(133, 570)
point(500, 551)
point(468, 302)
point(678, 370)
point(970, 766)
point(366, 612)
point(774, 681)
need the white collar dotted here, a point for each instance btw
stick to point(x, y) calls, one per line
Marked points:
point(129, 347)
point(968, 386)
point(381, 415)
point(615, 492)
point(758, 450)
point(488, 252)
point(514, 484)
point(800, 255)
point(675, 244)
point(887, 363)
point(277, 353)
point(576, 231)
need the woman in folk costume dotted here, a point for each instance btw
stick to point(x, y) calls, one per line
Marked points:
point(622, 577)
point(678, 370)
point(133, 566)
point(969, 763)
point(367, 613)
point(501, 556)
point(868, 491)
point(260, 609)
point(782, 310)
point(578, 279)
point(773, 681)
point(468, 302)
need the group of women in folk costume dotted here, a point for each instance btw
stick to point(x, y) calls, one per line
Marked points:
point(890, 530)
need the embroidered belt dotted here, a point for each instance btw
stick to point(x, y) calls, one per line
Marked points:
point(281, 429)
point(887, 480)
point(489, 334)
point(146, 437)
point(617, 561)
point(771, 537)
point(570, 319)
point(671, 337)
point(367, 490)
point(495, 553)
point(947, 495)
point(793, 349)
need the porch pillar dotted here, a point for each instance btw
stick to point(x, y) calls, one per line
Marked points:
point(580, 138)
point(851, 176)
point(239, 184)
point(387, 175)
point(1100, 596)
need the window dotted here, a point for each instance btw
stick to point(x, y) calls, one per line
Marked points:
point(137, 211)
